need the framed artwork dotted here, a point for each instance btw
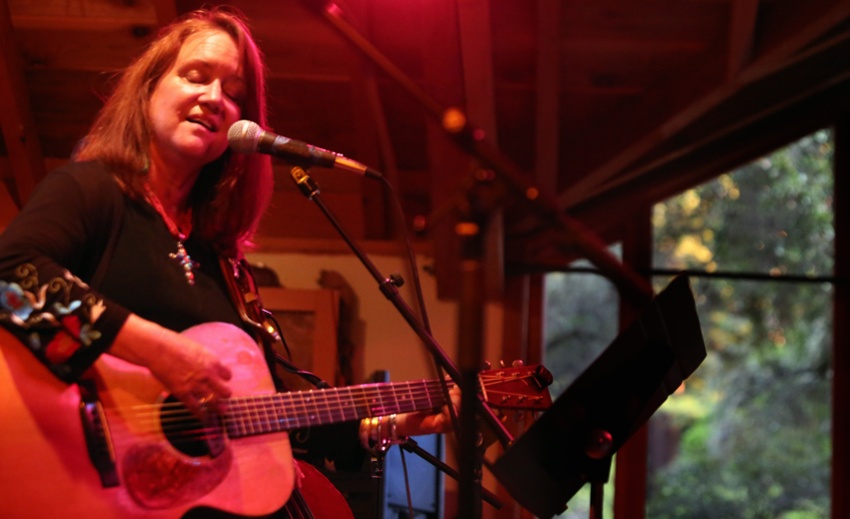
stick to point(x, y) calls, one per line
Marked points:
point(308, 320)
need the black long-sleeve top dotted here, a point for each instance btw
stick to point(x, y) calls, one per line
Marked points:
point(82, 255)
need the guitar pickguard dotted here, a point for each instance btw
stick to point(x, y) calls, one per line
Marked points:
point(159, 477)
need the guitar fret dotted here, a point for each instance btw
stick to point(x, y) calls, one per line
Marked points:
point(375, 403)
point(322, 407)
point(337, 405)
point(250, 419)
point(292, 421)
point(258, 414)
point(353, 406)
point(233, 424)
point(378, 402)
point(424, 399)
point(392, 391)
point(409, 398)
point(303, 414)
point(276, 423)
point(316, 415)
point(331, 406)
point(254, 417)
point(267, 418)
point(350, 409)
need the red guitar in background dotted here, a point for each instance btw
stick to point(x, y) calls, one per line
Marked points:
point(123, 448)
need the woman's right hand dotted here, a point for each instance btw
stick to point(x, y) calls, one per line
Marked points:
point(187, 369)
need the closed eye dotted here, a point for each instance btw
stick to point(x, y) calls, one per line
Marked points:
point(235, 90)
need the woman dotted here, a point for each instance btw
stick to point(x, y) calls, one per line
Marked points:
point(120, 250)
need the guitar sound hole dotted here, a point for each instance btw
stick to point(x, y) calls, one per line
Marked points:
point(188, 433)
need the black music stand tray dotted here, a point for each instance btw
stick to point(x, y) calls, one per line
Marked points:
point(573, 442)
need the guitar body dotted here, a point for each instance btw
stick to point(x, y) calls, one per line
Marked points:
point(318, 495)
point(162, 461)
point(45, 469)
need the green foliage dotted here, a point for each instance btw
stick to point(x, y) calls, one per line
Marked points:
point(762, 449)
point(581, 317)
point(750, 435)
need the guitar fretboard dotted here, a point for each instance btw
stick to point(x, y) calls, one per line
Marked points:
point(261, 414)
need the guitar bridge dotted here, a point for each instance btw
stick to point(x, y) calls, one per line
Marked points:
point(96, 432)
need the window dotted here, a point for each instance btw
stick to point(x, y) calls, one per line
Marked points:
point(748, 435)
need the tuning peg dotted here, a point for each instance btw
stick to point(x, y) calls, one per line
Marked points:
point(517, 364)
point(487, 365)
point(542, 377)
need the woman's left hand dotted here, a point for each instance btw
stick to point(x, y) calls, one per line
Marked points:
point(427, 422)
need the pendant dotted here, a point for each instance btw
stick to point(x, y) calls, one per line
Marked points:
point(186, 263)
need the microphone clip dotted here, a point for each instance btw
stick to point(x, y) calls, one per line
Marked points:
point(305, 182)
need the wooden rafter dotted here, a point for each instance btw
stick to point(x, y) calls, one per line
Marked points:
point(16, 118)
point(477, 58)
point(742, 28)
point(548, 95)
point(784, 35)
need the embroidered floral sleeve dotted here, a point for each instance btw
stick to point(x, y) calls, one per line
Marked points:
point(53, 312)
point(57, 327)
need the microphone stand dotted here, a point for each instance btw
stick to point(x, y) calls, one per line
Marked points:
point(468, 138)
point(470, 326)
point(410, 445)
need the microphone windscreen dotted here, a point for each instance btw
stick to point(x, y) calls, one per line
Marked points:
point(243, 136)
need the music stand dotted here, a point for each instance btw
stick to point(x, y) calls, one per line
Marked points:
point(574, 441)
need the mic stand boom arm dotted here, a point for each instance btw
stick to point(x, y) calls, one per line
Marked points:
point(310, 189)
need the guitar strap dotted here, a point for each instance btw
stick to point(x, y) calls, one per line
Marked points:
point(244, 292)
point(245, 295)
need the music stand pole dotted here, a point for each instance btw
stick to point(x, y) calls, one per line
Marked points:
point(470, 355)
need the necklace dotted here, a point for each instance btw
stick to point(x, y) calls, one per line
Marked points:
point(187, 264)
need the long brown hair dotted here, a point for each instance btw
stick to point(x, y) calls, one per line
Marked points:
point(232, 192)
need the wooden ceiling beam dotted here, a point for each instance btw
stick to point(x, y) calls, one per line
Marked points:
point(784, 36)
point(796, 84)
point(16, 117)
point(548, 109)
point(723, 151)
point(477, 57)
point(373, 142)
point(742, 28)
point(476, 46)
point(787, 26)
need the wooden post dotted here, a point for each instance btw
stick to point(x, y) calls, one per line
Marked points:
point(630, 477)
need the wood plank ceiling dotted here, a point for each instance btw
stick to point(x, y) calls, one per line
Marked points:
point(603, 107)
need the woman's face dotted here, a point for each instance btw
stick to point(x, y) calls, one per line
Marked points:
point(195, 102)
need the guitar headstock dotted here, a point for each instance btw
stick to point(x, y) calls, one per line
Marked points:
point(518, 387)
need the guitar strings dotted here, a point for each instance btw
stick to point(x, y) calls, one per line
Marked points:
point(258, 414)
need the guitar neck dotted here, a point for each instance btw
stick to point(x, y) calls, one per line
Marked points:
point(262, 414)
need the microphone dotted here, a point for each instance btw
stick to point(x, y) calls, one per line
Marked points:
point(247, 137)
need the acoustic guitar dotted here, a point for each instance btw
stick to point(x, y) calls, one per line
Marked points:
point(122, 447)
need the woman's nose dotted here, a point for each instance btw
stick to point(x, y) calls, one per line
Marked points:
point(212, 96)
